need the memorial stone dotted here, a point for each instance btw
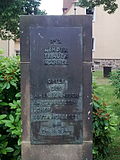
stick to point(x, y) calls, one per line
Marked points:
point(56, 87)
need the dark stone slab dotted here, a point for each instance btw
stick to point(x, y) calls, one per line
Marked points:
point(40, 78)
point(25, 100)
point(56, 85)
point(87, 103)
point(56, 21)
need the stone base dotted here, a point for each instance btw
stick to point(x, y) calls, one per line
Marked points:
point(56, 152)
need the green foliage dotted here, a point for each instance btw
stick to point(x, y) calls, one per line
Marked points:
point(115, 80)
point(104, 120)
point(106, 93)
point(109, 5)
point(1, 51)
point(104, 125)
point(10, 109)
point(10, 11)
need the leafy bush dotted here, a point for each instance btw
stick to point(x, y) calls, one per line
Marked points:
point(104, 124)
point(115, 80)
point(104, 121)
point(10, 110)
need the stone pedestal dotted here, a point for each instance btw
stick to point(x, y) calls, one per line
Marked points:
point(56, 87)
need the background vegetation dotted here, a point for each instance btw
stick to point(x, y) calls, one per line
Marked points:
point(10, 109)
point(109, 5)
point(106, 95)
point(10, 11)
point(106, 113)
point(106, 91)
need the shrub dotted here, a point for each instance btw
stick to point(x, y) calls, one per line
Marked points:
point(104, 124)
point(10, 110)
point(104, 121)
point(115, 80)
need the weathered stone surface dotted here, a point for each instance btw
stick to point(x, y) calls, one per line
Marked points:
point(87, 111)
point(25, 91)
point(87, 150)
point(52, 152)
point(41, 76)
point(100, 63)
point(56, 85)
point(56, 21)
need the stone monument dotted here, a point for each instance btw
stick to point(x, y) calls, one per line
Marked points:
point(56, 55)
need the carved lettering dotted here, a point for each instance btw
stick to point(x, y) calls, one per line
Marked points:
point(56, 81)
point(53, 116)
point(55, 62)
point(56, 85)
point(56, 131)
point(38, 109)
point(52, 102)
point(55, 56)
point(55, 42)
point(55, 49)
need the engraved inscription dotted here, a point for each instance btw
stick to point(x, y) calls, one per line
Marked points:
point(56, 131)
point(50, 102)
point(56, 86)
point(43, 109)
point(55, 41)
point(55, 54)
point(45, 117)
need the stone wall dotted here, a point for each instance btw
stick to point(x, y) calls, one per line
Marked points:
point(100, 63)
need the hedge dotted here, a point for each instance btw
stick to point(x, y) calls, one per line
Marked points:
point(10, 115)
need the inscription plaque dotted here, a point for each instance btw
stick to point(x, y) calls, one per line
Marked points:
point(56, 85)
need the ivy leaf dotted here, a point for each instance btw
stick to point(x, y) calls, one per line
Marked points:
point(17, 152)
point(3, 104)
point(18, 95)
point(9, 149)
point(3, 116)
point(11, 118)
point(8, 86)
point(13, 83)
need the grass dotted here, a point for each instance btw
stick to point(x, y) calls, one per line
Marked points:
point(106, 91)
